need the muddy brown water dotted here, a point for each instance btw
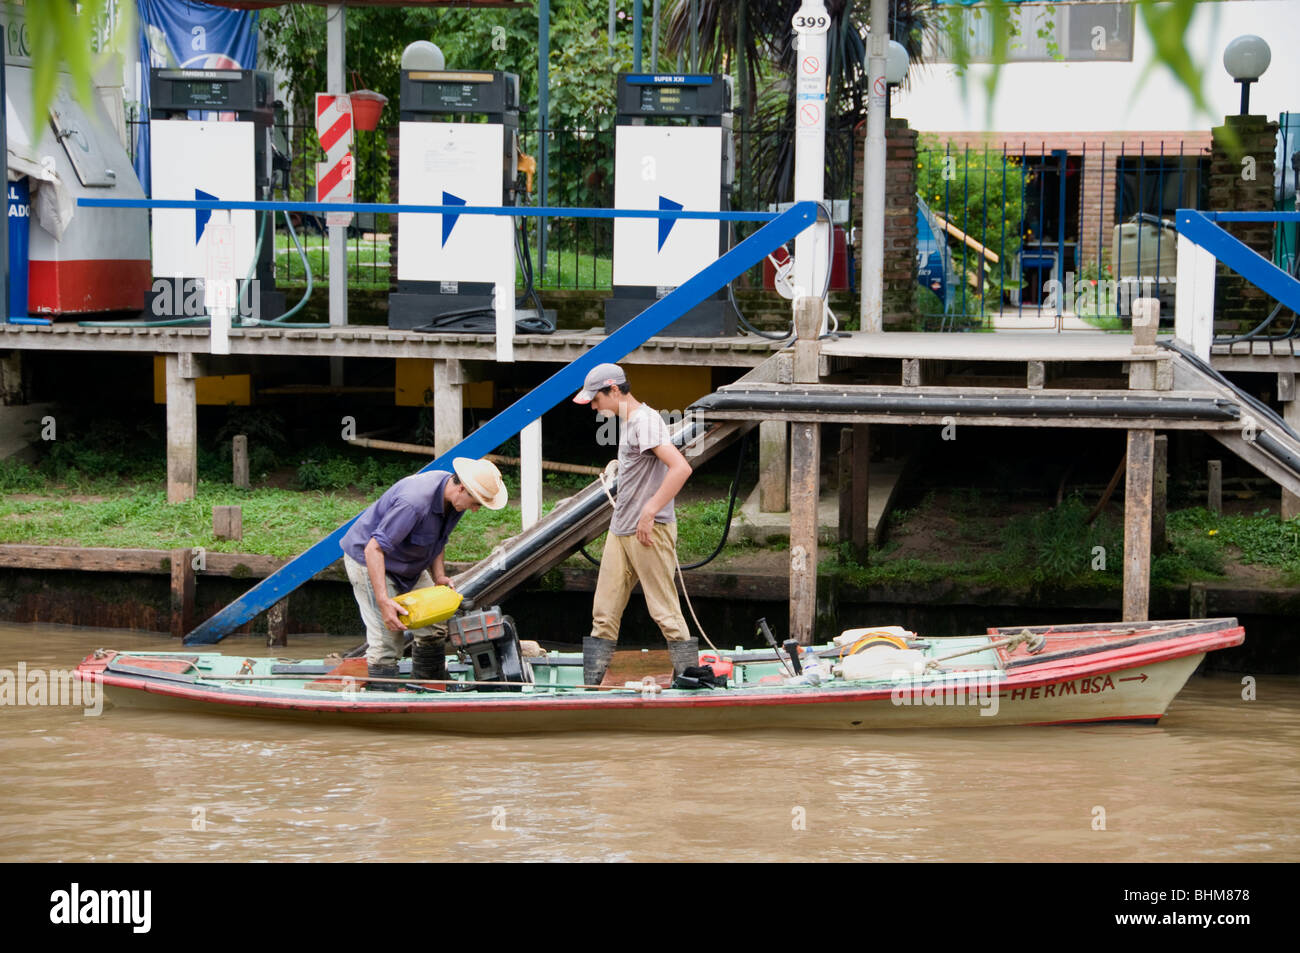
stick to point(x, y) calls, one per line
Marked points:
point(1217, 780)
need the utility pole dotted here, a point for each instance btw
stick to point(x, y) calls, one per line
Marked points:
point(810, 24)
point(873, 173)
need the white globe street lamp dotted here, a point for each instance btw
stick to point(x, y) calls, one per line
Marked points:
point(896, 63)
point(1246, 58)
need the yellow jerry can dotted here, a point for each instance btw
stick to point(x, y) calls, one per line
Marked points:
point(428, 605)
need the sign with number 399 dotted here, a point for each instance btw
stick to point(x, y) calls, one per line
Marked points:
point(811, 18)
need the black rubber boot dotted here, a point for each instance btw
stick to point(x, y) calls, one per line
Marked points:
point(381, 671)
point(429, 660)
point(596, 654)
point(684, 655)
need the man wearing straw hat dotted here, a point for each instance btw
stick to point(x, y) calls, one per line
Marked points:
point(397, 545)
point(641, 545)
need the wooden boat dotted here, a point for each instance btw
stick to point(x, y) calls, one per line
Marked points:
point(1081, 673)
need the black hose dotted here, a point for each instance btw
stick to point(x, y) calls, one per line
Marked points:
point(483, 320)
point(731, 506)
point(1254, 334)
point(1254, 403)
point(726, 530)
point(731, 296)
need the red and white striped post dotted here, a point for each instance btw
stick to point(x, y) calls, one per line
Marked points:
point(336, 175)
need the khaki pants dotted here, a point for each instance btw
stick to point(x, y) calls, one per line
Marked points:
point(382, 646)
point(623, 564)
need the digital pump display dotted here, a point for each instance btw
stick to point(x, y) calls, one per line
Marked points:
point(198, 93)
point(670, 99)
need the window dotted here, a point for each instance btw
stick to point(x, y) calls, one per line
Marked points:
point(1043, 32)
point(1159, 185)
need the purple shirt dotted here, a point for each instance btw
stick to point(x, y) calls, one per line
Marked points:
point(409, 524)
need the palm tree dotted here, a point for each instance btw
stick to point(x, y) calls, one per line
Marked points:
point(754, 39)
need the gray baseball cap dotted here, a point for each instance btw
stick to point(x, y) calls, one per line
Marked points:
point(598, 378)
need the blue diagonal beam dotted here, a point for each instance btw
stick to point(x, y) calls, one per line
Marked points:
point(561, 385)
point(1242, 259)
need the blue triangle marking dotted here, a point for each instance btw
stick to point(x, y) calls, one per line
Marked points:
point(449, 220)
point(666, 224)
point(201, 215)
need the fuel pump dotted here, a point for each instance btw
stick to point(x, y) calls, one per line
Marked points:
point(211, 134)
point(458, 145)
point(672, 151)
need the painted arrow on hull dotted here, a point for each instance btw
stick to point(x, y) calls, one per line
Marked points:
point(1135, 678)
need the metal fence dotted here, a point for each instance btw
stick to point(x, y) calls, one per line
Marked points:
point(1037, 236)
point(368, 258)
point(578, 252)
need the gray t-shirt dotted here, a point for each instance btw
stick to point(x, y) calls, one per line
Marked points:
point(640, 472)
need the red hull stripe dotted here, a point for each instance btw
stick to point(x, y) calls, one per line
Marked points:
point(92, 284)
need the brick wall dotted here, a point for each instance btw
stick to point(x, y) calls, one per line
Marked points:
point(1238, 304)
point(1100, 152)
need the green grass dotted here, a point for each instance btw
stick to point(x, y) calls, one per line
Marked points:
point(276, 522)
point(565, 269)
point(367, 263)
point(1261, 539)
point(368, 266)
point(1055, 548)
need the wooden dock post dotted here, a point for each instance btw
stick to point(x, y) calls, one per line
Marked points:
point(182, 592)
point(277, 623)
point(239, 461)
point(1137, 525)
point(1160, 495)
point(805, 452)
point(845, 488)
point(805, 448)
point(228, 522)
point(773, 466)
point(854, 488)
point(448, 404)
point(11, 378)
point(861, 490)
point(1214, 502)
point(1291, 414)
point(182, 426)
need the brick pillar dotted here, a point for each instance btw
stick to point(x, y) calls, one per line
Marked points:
point(1238, 304)
point(900, 218)
point(1097, 205)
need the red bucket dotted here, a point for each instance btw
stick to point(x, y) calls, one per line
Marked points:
point(366, 108)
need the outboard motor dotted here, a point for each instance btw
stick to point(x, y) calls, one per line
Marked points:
point(489, 639)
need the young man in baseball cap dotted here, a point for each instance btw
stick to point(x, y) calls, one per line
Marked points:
point(397, 545)
point(641, 545)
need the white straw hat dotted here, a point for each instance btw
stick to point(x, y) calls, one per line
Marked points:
point(483, 481)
